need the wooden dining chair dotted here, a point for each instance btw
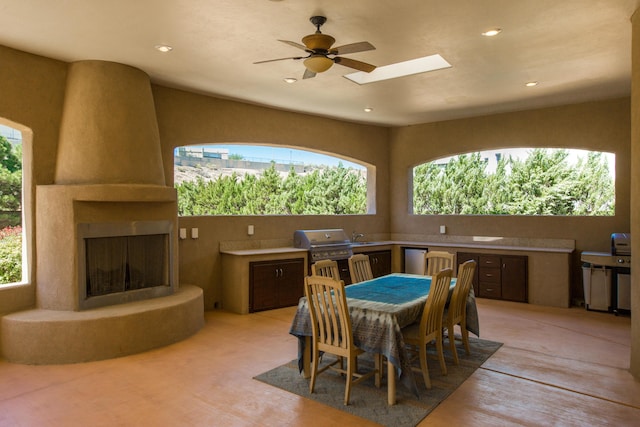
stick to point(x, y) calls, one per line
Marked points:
point(332, 333)
point(360, 268)
point(436, 261)
point(456, 312)
point(418, 335)
point(326, 268)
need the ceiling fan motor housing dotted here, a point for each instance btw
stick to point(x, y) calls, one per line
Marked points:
point(318, 42)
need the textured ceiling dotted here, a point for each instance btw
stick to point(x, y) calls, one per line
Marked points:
point(578, 50)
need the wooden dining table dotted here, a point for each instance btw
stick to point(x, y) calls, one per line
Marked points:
point(379, 309)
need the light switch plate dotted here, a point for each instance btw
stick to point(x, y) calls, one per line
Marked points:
point(250, 230)
point(443, 229)
point(183, 233)
point(194, 233)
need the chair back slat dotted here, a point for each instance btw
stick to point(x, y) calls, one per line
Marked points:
point(436, 261)
point(360, 268)
point(330, 320)
point(434, 306)
point(326, 268)
point(458, 304)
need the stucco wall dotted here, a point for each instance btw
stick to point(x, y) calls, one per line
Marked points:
point(32, 89)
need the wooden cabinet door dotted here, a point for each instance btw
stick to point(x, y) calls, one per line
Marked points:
point(291, 282)
point(514, 278)
point(380, 263)
point(263, 286)
point(275, 284)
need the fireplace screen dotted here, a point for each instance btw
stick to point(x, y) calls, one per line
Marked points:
point(119, 264)
point(124, 262)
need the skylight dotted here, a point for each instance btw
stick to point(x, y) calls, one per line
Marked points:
point(400, 69)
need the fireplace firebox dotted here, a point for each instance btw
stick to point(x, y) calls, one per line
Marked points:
point(124, 262)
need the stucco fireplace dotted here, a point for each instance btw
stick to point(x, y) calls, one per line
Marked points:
point(106, 251)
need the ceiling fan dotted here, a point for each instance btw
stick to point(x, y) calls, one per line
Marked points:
point(322, 56)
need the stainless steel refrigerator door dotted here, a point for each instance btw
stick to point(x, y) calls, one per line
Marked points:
point(414, 261)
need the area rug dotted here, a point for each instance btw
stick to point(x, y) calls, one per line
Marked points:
point(369, 402)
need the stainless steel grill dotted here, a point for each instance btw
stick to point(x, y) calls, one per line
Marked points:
point(323, 244)
point(607, 276)
point(620, 255)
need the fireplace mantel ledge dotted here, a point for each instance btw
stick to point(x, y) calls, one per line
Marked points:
point(112, 192)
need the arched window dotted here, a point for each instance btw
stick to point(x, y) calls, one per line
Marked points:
point(522, 181)
point(266, 180)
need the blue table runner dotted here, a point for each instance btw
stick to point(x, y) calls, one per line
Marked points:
point(393, 289)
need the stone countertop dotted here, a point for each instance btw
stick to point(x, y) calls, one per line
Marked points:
point(481, 245)
point(240, 248)
point(262, 251)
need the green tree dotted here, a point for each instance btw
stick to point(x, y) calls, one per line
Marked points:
point(496, 189)
point(427, 191)
point(11, 254)
point(455, 188)
point(594, 192)
point(330, 191)
point(10, 179)
point(544, 183)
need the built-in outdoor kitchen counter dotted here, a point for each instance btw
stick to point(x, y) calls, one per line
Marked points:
point(548, 264)
point(548, 261)
point(275, 265)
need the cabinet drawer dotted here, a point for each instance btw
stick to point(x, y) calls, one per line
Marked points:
point(490, 290)
point(489, 275)
point(489, 261)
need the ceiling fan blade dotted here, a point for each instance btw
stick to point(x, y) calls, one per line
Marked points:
point(352, 48)
point(294, 44)
point(279, 59)
point(352, 63)
point(308, 74)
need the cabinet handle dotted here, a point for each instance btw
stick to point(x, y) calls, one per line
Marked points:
point(504, 266)
point(281, 273)
point(488, 275)
point(489, 289)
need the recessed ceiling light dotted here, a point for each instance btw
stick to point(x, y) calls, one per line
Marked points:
point(290, 79)
point(492, 32)
point(368, 109)
point(400, 69)
point(164, 48)
point(531, 84)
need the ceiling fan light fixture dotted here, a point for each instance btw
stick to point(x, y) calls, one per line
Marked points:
point(368, 109)
point(318, 63)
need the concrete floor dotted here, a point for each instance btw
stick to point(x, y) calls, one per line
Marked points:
point(563, 367)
